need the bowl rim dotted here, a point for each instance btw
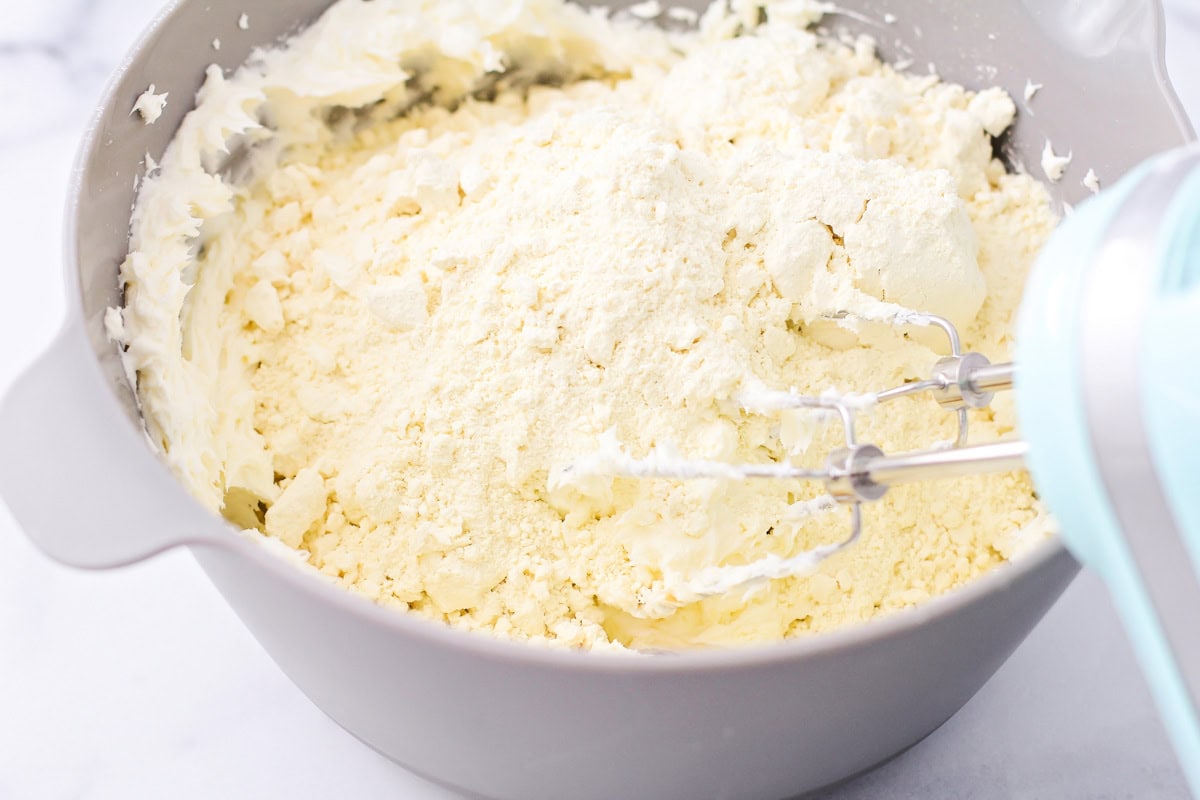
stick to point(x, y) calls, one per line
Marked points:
point(533, 653)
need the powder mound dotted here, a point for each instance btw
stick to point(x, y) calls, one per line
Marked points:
point(461, 249)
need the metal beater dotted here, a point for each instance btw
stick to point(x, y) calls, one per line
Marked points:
point(861, 472)
point(1108, 402)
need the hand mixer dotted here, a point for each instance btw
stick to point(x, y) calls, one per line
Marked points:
point(1108, 400)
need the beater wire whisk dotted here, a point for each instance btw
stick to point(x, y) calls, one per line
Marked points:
point(861, 472)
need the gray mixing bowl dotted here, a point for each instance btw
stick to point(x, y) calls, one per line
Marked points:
point(510, 721)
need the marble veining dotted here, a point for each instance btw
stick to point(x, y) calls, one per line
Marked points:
point(142, 683)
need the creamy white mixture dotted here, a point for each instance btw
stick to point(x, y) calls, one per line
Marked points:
point(462, 247)
point(149, 105)
point(1054, 165)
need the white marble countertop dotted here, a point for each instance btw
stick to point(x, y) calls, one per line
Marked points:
point(142, 682)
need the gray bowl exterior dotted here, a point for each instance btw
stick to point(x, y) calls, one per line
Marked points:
point(503, 720)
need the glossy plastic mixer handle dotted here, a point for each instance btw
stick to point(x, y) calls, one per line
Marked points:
point(78, 477)
point(1115, 440)
point(1170, 373)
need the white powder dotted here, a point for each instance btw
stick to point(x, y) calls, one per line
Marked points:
point(402, 329)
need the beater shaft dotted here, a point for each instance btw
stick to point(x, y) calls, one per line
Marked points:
point(940, 464)
point(993, 377)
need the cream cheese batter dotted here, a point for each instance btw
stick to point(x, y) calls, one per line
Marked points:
point(459, 247)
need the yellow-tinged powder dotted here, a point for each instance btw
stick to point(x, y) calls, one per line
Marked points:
point(402, 331)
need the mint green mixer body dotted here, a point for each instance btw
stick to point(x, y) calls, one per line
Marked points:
point(1108, 398)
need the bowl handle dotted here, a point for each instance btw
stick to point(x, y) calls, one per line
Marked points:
point(82, 481)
